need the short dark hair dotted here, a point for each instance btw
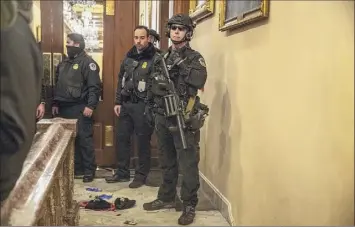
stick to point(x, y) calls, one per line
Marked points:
point(77, 38)
point(143, 27)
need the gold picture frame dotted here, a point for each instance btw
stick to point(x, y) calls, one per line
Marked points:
point(110, 7)
point(199, 12)
point(247, 17)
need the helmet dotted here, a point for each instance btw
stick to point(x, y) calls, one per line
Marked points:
point(154, 33)
point(184, 20)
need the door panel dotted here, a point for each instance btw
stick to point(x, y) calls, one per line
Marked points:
point(104, 148)
point(51, 45)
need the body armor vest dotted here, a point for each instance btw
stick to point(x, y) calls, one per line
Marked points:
point(71, 80)
point(136, 77)
point(176, 76)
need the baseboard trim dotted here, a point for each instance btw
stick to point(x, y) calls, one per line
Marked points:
point(217, 198)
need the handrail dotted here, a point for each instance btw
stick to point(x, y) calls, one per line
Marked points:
point(43, 195)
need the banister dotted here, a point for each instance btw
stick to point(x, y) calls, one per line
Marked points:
point(43, 195)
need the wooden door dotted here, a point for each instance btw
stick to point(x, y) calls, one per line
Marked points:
point(51, 44)
point(103, 16)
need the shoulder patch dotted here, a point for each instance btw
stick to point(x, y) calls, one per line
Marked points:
point(202, 62)
point(92, 66)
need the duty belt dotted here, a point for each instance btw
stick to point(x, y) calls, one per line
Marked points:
point(133, 99)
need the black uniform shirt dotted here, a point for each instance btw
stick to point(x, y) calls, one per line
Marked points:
point(78, 82)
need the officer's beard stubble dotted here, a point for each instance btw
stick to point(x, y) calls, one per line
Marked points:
point(143, 48)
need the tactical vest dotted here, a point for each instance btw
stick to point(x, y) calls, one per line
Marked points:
point(137, 74)
point(177, 76)
point(71, 80)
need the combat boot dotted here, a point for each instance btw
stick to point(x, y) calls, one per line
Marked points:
point(159, 204)
point(78, 174)
point(138, 181)
point(117, 178)
point(187, 216)
point(88, 177)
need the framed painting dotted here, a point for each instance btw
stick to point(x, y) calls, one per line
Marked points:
point(235, 14)
point(200, 9)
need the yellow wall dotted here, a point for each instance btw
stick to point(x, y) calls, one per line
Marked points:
point(279, 139)
point(36, 20)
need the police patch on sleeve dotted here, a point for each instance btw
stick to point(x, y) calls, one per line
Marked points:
point(202, 62)
point(92, 66)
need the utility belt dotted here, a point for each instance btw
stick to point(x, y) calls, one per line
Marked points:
point(132, 98)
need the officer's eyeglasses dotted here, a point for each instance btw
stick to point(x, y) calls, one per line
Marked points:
point(180, 28)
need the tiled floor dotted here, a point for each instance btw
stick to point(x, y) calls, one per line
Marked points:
point(206, 215)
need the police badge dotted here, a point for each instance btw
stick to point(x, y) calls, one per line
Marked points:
point(92, 66)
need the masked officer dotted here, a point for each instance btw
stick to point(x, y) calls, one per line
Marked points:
point(187, 71)
point(76, 96)
point(130, 109)
point(154, 37)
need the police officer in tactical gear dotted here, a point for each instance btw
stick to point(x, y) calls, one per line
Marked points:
point(154, 37)
point(76, 96)
point(131, 96)
point(187, 71)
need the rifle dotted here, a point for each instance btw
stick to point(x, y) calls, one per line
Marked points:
point(173, 106)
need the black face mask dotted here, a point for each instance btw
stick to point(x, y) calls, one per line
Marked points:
point(73, 51)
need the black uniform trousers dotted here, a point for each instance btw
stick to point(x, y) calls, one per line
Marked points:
point(132, 118)
point(174, 157)
point(84, 156)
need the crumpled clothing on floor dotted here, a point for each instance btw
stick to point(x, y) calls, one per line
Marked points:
point(97, 204)
point(100, 204)
point(122, 203)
